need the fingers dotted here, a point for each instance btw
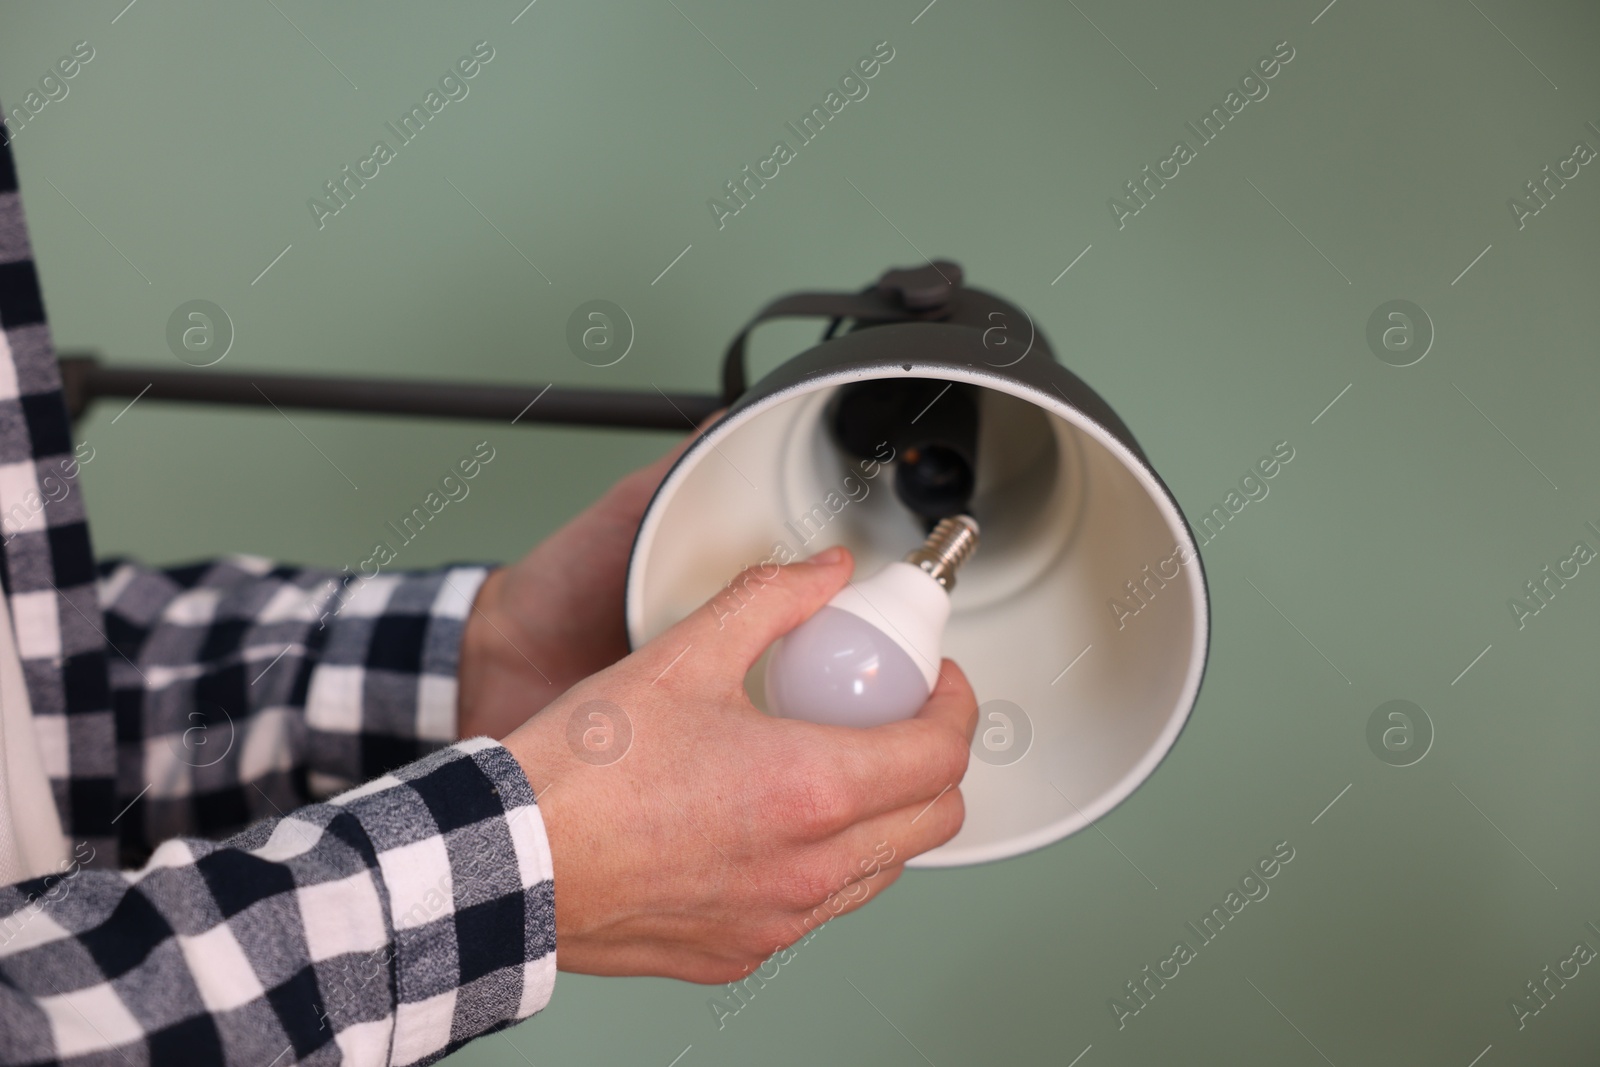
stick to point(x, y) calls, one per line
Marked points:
point(897, 836)
point(853, 891)
point(643, 481)
point(649, 476)
point(760, 605)
point(659, 468)
point(859, 863)
point(909, 763)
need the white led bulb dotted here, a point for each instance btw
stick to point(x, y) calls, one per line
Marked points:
point(871, 655)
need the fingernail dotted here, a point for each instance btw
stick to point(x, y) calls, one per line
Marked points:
point(828, 557)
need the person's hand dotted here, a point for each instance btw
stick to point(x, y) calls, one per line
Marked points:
point(556, 616)
point(694, 836)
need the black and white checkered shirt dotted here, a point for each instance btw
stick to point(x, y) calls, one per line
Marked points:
point(390, 923)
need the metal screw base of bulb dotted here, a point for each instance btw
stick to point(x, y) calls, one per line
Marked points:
point(952, 543)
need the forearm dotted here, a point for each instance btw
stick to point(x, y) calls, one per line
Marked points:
point(521, 649)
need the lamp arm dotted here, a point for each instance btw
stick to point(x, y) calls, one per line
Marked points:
point(85, 379)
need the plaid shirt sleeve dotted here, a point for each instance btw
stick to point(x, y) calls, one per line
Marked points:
point(243, 689)
point(389, 925)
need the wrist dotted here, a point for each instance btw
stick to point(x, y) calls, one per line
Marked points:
point(480, 641)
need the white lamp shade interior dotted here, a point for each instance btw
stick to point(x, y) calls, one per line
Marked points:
point(1068, 516)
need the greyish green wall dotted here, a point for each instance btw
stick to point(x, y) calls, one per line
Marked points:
point(1222, 318)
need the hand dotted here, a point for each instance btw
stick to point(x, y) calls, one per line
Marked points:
point(556, 617)
point(719, 835)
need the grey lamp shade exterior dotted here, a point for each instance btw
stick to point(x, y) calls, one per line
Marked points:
point(1083, 621)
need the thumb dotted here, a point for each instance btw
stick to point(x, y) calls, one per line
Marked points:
point(760, 605)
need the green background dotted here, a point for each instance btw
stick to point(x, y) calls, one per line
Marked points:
point(1212, 322)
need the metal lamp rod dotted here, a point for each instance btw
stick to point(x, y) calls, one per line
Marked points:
point(85, 380)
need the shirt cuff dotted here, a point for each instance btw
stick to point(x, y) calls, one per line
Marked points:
point(468, 886)
point(383, 690)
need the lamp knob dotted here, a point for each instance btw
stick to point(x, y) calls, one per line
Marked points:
point(922, 288)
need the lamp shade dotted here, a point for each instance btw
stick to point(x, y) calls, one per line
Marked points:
point(1082, 621)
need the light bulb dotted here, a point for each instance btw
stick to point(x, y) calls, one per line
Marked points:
point(871, 655)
